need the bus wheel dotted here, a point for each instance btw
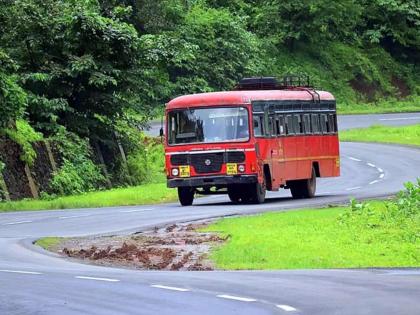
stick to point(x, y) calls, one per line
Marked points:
point(304, 188)
point(234, 194)
point(257, 193)
point(310, 186)
point(185, 196)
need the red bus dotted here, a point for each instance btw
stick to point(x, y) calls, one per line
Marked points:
point(263, 135)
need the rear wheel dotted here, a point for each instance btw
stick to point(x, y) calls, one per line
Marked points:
point(186, 196)
point(304, 188)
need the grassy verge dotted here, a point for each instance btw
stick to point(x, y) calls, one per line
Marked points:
point(377, 234)
point(403, 135)
point(48, 243)
point(411, 104)
point(145, 194)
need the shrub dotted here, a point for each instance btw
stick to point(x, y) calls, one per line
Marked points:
point(24, 135)
point(77, 173)
point(398, 217)
point(77, 178)
point(2, 166)
point(146, 163)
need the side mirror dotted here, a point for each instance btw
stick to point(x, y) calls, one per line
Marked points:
point(161, 132)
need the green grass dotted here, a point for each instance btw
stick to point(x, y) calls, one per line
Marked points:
point(317, 239)
point(145, 194)
point(411, 104)
point(48, 243)
point(402, 135)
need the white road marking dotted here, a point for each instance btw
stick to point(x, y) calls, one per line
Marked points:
point(380, 170)
point(22, 272)
point(286, 308)
point(74, 216)
point(374, 182)
point(169, 288)
point(137, 210)
point(98, 279)
point(237, 298)
point(371, 165)
point(353, 188)
point(400, 118)
point(354, 159)
point(382, 175)
point(19, 222)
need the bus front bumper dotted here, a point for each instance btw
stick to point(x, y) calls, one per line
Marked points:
point(212, 181)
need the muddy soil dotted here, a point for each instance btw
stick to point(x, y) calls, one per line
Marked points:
point(175, 247)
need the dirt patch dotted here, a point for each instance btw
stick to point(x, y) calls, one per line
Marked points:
point(369, 90)
point(401, 86)
point(175, 247)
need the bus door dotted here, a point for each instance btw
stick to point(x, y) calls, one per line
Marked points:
point(280, 132)
point(289, 148)
point(276, 152)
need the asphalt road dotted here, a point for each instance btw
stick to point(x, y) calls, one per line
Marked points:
point(33, 281)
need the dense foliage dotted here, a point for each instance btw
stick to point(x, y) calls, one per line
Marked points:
point(101, 68)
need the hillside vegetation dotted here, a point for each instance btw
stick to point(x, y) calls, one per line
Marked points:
point(79, 72)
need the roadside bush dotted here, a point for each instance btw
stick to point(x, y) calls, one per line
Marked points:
point(77, 178)
point(78, 173)
point(2, 166)
point(397, 217)
point(24, 135)
point(146, 164)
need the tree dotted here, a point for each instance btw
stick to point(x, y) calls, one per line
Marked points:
point(211, 50)
point(80, 69)
point(393, 23)
point(12, 98)
point(307, 21)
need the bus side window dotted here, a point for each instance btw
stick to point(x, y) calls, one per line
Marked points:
point(297, 123)
point(307, 124)
point(331, 123)
point(271, 126)
point(258, 125)
point(289, 125)
point(323, 123)
point(280, 125)
point(315, 123)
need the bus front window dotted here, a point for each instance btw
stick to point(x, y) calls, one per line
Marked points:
point(207, 125)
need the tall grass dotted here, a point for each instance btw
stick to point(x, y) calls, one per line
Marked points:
point(145, 194)
point(375, 234)
point(386, 134)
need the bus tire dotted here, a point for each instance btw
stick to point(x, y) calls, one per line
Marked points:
point(310, 186)
point(186, 196)
point(234, 194)
point(257, 193)
point(304, 188)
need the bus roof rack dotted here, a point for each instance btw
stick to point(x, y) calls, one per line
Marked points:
point(271, 83)
point(288, 82)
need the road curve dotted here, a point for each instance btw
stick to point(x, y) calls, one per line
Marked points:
point(33, 281)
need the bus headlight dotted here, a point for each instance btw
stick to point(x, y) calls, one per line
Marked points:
point(241, 168)
point(175, 172)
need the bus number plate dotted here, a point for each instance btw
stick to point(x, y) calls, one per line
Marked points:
point(231, 168)
point(184, 171)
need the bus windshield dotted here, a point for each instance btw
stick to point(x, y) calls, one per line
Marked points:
point(207, 125)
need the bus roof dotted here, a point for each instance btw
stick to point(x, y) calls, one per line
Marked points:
point(245, 97)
